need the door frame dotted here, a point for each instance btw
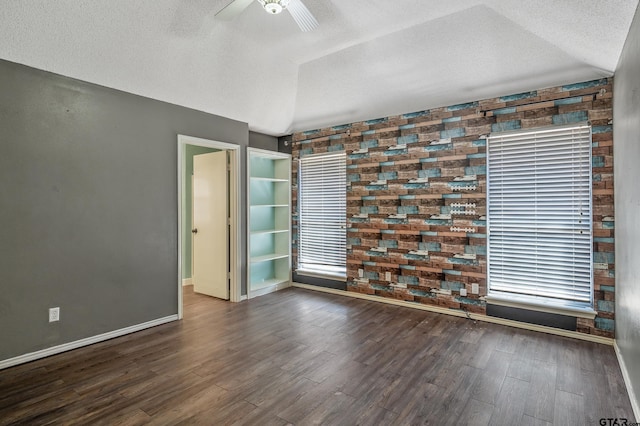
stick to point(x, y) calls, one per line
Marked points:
point(234, 213)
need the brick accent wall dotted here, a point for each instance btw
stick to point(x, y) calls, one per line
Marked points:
point(416, 196)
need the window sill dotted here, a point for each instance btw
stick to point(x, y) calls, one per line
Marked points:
point(541, 306)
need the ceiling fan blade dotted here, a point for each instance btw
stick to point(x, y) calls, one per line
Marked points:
point(305, 19)
point(233, 9)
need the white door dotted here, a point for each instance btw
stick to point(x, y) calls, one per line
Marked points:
point(210, 225)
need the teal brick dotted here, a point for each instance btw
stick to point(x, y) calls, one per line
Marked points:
point(416, 185)
point(341, 127)
point(387, 164)
point(368, 132)
point(458, 132)
point(311, 132)
point(354, 241)
point(335, 148)
point(608, 288)
point(608, 224)
point(570, 117)
point(335, 137)
point(305, 151)
point(408, 210)
point(369, 210)
point(369, 198)
point(408, 197)
point(600, 257)
point(503, 111)
point(408, 279)
point(597, 161)
point(451, 272)
point(370, 143)
point(375, 121)
point(429, 246)
point(603, 240)
point(388, 231)
point(433, 148)
point(451, 119)
point(462, 106)
point(407, 126)
point(429, 234)
point(606, 306)
point(479, 142)
point(351, 156)
point(422, 293)
point(451, 195)
point(353, 177)
point(408, 267)
point(475, 170)
point(416, 114)
point(568, 101)
point(479, 155)
point(585, 85)
point(451, 285)
point(506, 126)
point(403, 140)
point(427, 173)
point(601, 129)
point(398, 151)
point(476, 235)
point(369, 263)
point(388, 175)
point(519, 96)
point(371, 275)
point(605, 324)
point(479, 250)
point(428, 160)
point(396, 221)
point(469, 301)
point(352, 166)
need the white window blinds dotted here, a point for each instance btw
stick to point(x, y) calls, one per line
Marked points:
point(322, 213)
point(539, 215)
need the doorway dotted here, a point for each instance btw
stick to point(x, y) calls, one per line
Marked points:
point(187, 145)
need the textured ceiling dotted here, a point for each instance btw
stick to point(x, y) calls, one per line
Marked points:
point(368, 58)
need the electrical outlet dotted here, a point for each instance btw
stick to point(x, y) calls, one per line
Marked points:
point(54, 314)
point(475, 288)
point(463, 292)
point(361, 273)
point(387, 276)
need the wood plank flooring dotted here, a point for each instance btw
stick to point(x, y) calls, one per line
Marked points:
point(303, 357)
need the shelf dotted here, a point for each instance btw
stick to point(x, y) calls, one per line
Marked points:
point(269, 221)
point(270, 256)
point(267, 283)
point(266, 179)
point(269, 231)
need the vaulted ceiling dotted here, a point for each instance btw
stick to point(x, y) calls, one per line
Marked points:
point(367, 59)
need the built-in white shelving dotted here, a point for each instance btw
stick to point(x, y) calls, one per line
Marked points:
point(269, 218)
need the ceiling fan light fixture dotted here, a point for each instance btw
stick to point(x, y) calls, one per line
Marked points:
point(274, 6)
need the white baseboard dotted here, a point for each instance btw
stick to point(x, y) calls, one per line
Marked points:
point(187, 281)
point(458, 313)
point(635, 404)
point(32, 356)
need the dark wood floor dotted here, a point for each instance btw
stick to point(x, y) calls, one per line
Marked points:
point(302, 357)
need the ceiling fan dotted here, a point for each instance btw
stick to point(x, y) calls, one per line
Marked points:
point(303, 17)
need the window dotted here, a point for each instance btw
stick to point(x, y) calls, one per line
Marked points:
point(322, 214)
point(539, 217)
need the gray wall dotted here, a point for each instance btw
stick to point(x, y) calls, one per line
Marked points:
point(626, 122)
point(262, 141)
point(88, 206)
